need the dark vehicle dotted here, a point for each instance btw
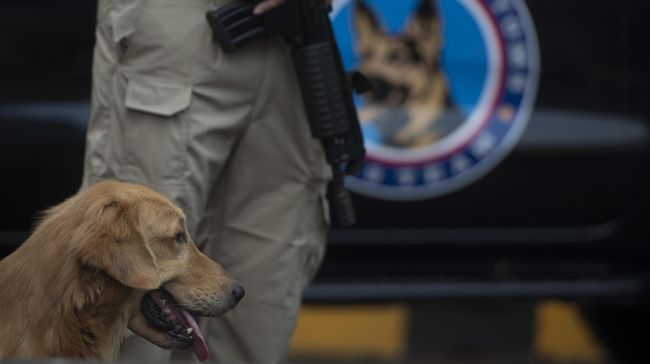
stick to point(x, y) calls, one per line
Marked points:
point(564, 215)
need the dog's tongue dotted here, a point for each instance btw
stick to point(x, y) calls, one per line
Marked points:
point(178, 314)
point(198, 342)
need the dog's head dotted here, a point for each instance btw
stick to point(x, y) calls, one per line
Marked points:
point(399, 66)
point(140, 238)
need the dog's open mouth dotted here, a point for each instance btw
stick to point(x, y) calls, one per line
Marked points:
point(163, 313)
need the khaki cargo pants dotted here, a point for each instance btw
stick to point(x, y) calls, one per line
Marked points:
point(225, 137)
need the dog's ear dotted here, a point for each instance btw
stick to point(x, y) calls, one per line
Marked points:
point(367, 26)
point(426, 30)
point(115, 245)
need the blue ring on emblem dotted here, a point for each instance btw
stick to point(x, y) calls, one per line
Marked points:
point(495, 100)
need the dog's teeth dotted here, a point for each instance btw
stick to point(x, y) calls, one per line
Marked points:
point(166, 311)
point(189, 330)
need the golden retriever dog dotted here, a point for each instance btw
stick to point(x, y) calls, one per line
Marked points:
point(115, 255)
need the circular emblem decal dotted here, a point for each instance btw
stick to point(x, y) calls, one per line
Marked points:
point(454, 82)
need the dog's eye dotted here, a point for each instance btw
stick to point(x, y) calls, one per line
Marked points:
point(180, 237)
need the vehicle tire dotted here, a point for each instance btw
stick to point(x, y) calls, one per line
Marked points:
point(622, 329)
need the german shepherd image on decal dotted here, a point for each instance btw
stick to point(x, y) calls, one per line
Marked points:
point(409, 105)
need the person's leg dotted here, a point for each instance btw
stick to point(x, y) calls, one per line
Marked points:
point(272, 221)
point(164, 113)
point(168, 105)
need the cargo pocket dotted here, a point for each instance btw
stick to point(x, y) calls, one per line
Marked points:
point(157, 126)
point(157, 97)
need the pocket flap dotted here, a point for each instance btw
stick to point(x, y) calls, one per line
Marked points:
point(157, 97)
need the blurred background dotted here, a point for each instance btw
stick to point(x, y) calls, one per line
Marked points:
point(509, 224)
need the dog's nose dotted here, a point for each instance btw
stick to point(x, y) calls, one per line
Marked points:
point(238, 292)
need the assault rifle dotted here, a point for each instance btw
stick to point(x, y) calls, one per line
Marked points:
point(326, 88)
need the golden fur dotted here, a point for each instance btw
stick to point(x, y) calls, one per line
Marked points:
point(75, 285)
